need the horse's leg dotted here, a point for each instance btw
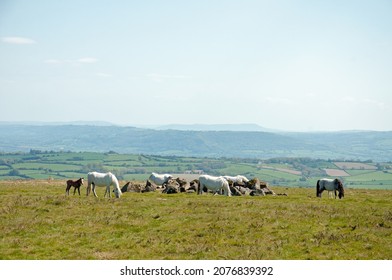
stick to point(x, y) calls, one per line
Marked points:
point(200, 188)
point(67, 189)
point(79, 190)
point(226, 190)
point(108, 191)
point(88, 189)
point(223, 191)
point(95, 194)
point(74, 190)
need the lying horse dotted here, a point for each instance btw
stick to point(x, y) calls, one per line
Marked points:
point(76, 184)
point(331, 185)
point(160, 179)
point(213, 183)
point(103, 179)
point(237, 179)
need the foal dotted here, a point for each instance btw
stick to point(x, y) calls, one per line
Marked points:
point(76, 184)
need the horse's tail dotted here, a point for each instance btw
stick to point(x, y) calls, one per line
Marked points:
point(318, 189)
point(68, 187)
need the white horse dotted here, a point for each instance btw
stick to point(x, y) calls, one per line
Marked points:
point(102, 180)
point(331, 185)
point(160, 179)
point(237, 179)
point(214, 183)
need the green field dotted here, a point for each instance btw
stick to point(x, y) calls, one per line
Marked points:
point(37, 221)
point(291, 172)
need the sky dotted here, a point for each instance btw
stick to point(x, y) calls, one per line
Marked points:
point(288, 65)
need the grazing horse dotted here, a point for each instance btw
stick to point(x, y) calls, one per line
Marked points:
point(213, 183)
point(160, 179)
point(76, 184)
point(331, 185)
point(237, 179)
point(104, 180)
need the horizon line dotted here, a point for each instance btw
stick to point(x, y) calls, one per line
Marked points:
point(163, 126)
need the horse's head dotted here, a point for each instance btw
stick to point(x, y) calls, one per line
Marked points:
point(81, 181)
point(168, 177)
point(340, 188)
point(243, 178)
point(117, 192)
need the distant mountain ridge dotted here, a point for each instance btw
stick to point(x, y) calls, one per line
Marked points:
point(376, 146)
point(35, 123)
point(185, 127)
point(215, 127)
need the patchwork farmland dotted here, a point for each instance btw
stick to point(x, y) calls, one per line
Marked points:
point(289, 172)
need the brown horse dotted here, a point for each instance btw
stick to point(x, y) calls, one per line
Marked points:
point(76, 184)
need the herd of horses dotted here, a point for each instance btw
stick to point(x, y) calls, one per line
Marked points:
point(224, 185)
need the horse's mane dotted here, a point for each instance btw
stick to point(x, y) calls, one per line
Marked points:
point(114, 180)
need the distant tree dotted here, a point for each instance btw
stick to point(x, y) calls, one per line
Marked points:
point(35, 152)
point(77, 158)
point(94, 167)
point(14, 172)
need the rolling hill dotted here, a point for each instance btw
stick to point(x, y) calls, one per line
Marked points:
point(361, 145)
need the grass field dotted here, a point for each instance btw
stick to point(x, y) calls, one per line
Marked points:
point(37, 221)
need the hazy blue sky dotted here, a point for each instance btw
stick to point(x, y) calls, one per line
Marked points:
point(292, 65)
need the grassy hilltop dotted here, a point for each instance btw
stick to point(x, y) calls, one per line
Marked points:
point(38, 221)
